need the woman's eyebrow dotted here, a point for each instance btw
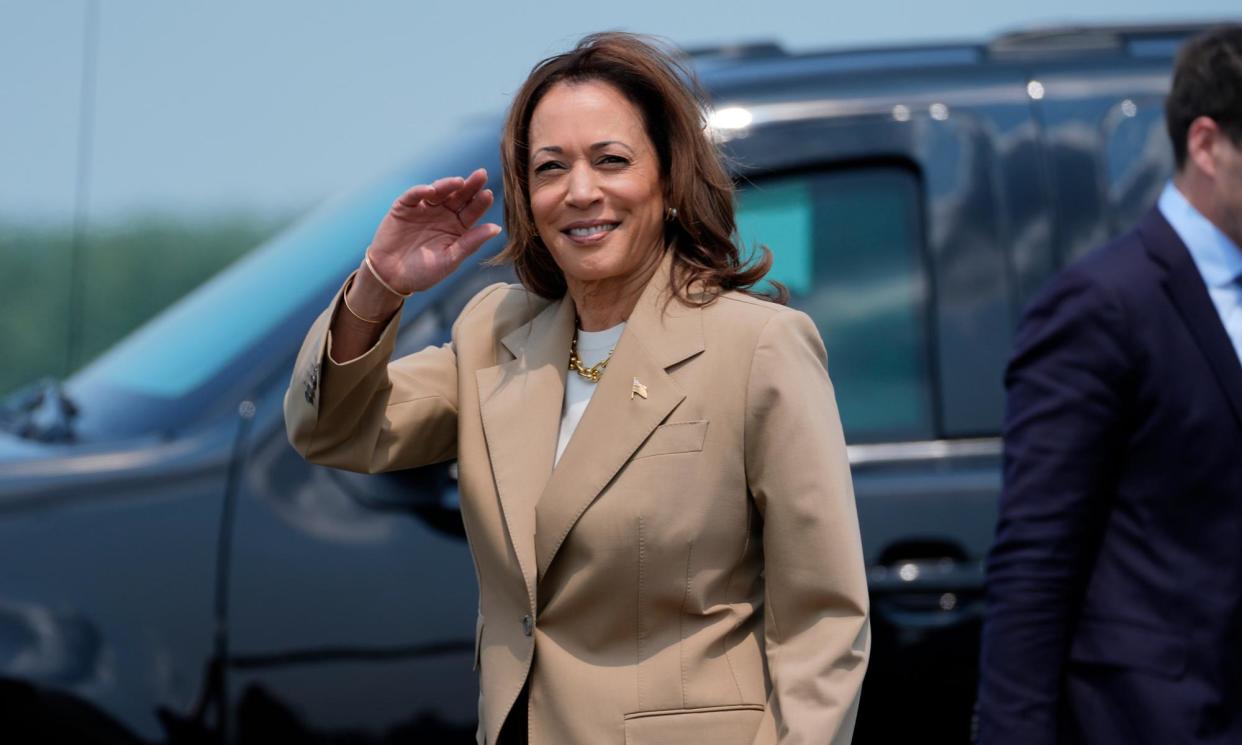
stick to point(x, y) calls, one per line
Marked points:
point(606, 143)
point(597, 146)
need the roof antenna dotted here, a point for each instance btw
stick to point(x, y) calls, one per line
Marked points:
point(86, 137)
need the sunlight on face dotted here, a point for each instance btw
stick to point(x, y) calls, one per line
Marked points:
point(595, 187)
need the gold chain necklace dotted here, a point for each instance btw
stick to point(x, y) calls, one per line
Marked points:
point(592, 373)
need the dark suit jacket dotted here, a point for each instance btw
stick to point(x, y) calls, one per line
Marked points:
point(1115, 583)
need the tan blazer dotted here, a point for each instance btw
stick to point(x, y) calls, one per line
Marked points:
point(691, 570)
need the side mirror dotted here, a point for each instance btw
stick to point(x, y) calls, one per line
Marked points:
point(430, 493)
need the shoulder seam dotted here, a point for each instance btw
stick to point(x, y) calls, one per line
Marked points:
point(753, 301)
point(474, 303)
point(484, 294)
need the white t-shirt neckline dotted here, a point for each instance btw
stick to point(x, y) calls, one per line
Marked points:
point(593, 348)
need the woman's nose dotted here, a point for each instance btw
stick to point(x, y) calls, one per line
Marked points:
point(583, 187)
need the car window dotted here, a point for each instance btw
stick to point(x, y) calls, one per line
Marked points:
point(848, 246)
point(203, 333)
point(1138, 159)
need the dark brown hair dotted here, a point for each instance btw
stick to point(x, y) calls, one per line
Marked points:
point(692, 172)
point(1207, 81)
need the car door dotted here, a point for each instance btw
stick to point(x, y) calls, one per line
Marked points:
point(107, 589)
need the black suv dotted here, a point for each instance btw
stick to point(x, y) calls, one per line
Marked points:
point(172, 571)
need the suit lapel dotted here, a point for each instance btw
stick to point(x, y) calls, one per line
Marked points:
point(520, 402)
point(1184, 285)
point(617, 420)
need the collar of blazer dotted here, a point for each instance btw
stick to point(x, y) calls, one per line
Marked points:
point(521, 402)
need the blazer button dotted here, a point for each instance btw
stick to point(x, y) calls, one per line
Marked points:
point(528, 625)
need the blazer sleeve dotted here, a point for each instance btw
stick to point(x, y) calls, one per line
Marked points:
point(367, 414)
point(816, 628)
point(1063, 441)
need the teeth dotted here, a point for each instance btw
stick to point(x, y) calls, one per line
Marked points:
point(583, 232)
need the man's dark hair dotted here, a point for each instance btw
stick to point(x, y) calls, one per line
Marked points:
point(1206, 82)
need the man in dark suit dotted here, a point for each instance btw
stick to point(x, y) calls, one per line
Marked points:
point(1115, 583)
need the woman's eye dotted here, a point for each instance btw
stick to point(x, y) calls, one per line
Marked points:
point(542, 167)
point(614, 160)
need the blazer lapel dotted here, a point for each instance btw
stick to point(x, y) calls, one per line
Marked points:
point(520, 403)
point(1185, 287)
point(618, 419)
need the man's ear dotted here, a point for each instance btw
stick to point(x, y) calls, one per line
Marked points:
point(1202, 137)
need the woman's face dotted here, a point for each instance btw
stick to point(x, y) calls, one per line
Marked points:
point(595, 187)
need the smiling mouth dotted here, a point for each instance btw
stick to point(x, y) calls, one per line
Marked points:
point(592, 230)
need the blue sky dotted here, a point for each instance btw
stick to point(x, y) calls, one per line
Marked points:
point(272, 106)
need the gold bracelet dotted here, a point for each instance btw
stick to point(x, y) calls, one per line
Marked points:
point(380, 279)
point(348, 307)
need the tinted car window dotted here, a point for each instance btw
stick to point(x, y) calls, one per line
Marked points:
point(848, 245)
point(184, 347)
point(1138, 159)
point(204, 332)
point(169, 370)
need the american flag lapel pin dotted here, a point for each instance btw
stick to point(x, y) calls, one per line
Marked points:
point(637, 389)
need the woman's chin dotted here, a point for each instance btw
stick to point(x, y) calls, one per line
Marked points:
point(595, 274)
point(591, 264)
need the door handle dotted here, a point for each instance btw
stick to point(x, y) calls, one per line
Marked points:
point(927, 593)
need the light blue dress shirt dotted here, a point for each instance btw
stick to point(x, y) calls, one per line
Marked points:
point(1218, 259)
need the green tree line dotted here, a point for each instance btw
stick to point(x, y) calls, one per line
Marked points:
point(55, 317)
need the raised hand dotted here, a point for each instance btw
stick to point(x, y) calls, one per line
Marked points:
point(430, 230)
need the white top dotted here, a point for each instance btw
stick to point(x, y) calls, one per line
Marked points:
point(593, 347)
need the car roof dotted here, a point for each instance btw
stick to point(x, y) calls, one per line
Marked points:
point(732, 68)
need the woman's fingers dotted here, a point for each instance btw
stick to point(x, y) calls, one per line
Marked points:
point(471, 240)
point(465, 198)
point(460, 197)
point(441, 188)
point(453, 192)
point(415, 195)
point(477, 206)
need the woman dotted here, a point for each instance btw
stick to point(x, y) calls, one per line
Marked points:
point(679, 561)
